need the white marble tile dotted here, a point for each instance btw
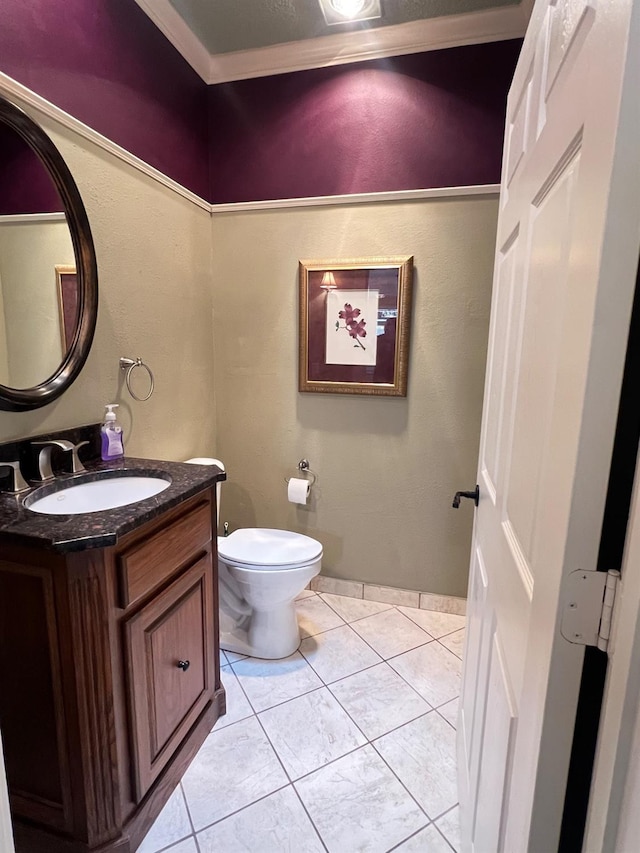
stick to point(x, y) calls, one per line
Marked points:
point(337, 586)
point(443, 603)
point(238, 706)
point(427, 840)
point(310, 731)
point(171, 825)
point(223, 658)
point(391, 595)
point(422, 754)
point(338, 653)
point(357, 804)
point(276, 824)
point(314, 616)
point(454, 642)
point(450, 712)
point(270, 682)
point(436, 624)
point(235, 767)
point(186, 846)
point(449, 826)
point(378, 700)
point(390, 633)
point(432, 670)
point(353, 608)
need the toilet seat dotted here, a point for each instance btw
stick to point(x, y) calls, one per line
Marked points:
point(268, 549)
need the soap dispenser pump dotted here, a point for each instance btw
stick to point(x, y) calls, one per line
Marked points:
point(112, 446)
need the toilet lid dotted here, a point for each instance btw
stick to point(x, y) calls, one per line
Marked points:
point(261, 546)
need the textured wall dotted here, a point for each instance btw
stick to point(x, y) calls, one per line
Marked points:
point(433, 119)
point(108, 65)
point(387, 467)
point(154, 264)
point(29, 254)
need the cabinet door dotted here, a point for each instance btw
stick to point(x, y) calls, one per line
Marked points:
point(170, 649)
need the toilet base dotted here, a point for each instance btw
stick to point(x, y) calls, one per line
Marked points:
point(269, 634)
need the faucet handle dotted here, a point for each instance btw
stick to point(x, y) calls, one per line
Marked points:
point(17, 482)
point(45, 470)
point(76, 465)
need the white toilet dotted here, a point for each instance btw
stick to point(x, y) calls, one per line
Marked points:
point(261, 571)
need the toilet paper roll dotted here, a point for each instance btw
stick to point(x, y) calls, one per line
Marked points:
point(298, 490)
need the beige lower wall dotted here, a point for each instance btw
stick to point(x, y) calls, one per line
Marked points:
point(154, 264)
point(387, 468)
point(30, 250)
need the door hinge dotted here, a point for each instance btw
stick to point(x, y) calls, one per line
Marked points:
point(588, 610)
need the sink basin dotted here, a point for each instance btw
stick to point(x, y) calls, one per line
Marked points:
point(95, 495)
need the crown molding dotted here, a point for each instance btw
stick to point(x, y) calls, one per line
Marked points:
point(359, 198)
point(27, 99)
point(361, 45)
point(169, 22)
point(499, 24)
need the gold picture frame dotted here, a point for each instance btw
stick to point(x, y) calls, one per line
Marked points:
point(354, 325)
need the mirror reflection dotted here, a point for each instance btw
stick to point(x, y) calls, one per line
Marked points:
point(38, 292)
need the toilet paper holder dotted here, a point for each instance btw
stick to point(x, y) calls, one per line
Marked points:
point(303, 467)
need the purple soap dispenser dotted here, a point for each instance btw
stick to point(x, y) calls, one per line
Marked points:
point(112, 446)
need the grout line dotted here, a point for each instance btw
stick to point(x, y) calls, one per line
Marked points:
point(170, 846)
point(359, 618)
point(311, 820)
point(393, 773)
point(447, 633)
point(242, 808)
point(284, 701)
point(404, 840)
point(442, 835)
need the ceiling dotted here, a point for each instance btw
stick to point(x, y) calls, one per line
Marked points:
point(237, 39)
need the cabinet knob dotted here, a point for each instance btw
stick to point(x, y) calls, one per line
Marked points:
point(183, 665)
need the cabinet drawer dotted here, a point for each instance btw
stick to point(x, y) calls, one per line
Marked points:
point(145, 566)
point(170, 648)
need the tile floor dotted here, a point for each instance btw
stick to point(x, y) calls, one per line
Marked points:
point(347, 745)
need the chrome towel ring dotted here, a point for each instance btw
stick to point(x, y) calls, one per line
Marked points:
point(129, 364)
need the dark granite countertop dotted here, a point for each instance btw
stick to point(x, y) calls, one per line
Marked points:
point(63, 533)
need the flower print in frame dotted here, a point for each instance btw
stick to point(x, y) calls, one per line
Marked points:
point(352, 318)
point(354, 325)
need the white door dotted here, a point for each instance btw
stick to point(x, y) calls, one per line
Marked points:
point(567, 251)
point(6, 834)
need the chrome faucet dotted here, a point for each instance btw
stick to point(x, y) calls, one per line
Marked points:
point(45, 471)
point(17, 482)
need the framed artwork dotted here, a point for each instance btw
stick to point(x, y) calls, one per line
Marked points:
point(355, 318)
point(67, 287)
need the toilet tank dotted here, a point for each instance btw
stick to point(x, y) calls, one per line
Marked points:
point(208, 460)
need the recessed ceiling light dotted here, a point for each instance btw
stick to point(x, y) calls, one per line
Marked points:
point(345, 11)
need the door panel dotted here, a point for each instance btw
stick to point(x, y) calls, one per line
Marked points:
point(499, 733)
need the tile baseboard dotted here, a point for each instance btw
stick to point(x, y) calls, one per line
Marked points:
point(390, 595)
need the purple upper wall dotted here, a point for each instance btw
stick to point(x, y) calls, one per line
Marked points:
point(432, 119)
point(25, 182)
point(105, 62)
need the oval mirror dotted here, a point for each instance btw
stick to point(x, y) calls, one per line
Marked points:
point(48, 272)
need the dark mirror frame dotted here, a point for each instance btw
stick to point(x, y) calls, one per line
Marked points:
point(18, 400)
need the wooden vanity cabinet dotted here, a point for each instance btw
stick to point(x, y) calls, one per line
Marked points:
point(109, 679)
